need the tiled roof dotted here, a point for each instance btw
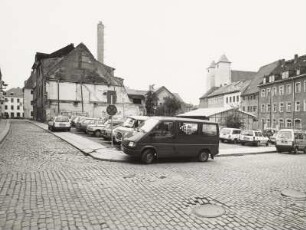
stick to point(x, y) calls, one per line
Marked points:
point(237, 75)
point(231, 88)
point(212, 65)
point(209, 92)
point(16, 92)
point(257, 79)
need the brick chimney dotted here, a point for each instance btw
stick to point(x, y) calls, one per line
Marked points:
point(296, 57)
point(100, 42)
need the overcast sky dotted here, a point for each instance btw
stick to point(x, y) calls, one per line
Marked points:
point(161, 42)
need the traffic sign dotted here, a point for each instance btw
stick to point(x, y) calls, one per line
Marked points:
point(111, 110)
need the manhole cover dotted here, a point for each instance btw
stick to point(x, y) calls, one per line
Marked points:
point(293, 193)
point(209, 211)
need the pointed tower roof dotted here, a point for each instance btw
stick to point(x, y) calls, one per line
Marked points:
point(212, 65)
point(223, 58)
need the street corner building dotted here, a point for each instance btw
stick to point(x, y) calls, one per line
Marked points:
point(71, 81)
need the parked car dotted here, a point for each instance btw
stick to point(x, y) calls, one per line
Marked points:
point(163, 137)
point(82, 125)
point(107, 130)
point(230, 135)
point(253, 137)
point(268, 132)
point(59, 123)
point(75, 120)
point(129, 125)
point(272, 138)
point(95, 127)
point(290, 140)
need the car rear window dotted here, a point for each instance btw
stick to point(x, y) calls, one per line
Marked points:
point(62, 119)
point(285, 134)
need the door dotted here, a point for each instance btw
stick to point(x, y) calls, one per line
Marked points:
point(162, 138)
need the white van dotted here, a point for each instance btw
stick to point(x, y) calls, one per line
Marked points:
point(230, 135)
point(290, 140)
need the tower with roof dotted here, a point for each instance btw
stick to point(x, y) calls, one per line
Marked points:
point(222, 71)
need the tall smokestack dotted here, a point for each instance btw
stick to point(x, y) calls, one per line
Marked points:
point(100, 42)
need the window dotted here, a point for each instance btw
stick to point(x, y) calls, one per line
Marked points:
point(164, 129)
point(32, 113)
point(243, 108)
point(18, 100)
point(6, 99)
point(297, 124)
point(263, 93)
point(233, 98)
point(226, 99)
point(271, 78)
point(281, 123)
point(263, 122)
point(5, 107)
point(288, 123)
point(297, 106)
point(274, 91)
point(209, 130)
point(137, 101)
point(254, 108)
point(268, 108)
point(281, 107)
point(12, 107)
point(274, 107)
point(281, 90)
point(18, 107)
point(264, 80)
point(111, 97)
point(274, 123)
point(188, 128)
point(288, 89)
point(230, 99)
point(12, 100)
point(237, 98)
point(285, 74)
point(268, 92)
point(268, 123)
point(263, 108)
point(31, 93)
point(298, 87)
point(288, 107)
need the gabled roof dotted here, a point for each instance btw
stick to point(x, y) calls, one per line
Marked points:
point(231, 88)
point(257, 79)
point(16, 92)
point(209, 92)
point(237, 75)
point(207, 112)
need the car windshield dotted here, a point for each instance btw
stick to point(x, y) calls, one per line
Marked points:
point(148, 125)
point(285, 134)
point(225, 131)
point(247, 132)
point(62, 119)
point(129, 122)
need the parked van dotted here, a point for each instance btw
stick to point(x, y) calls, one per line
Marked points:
point(230, 135)
point(129, 125)
point(290, 140)
point(163, 137)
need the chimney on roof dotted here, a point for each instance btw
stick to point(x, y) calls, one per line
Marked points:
point(100, 42)
point(296, 57)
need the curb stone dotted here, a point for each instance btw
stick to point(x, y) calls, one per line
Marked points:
point(5, 131)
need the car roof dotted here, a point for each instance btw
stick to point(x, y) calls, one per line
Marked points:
point(292, 130)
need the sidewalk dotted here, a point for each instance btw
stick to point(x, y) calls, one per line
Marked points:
point(101, 152)
point(4, 128)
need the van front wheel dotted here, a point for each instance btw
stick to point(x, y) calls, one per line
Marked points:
point(203, 156)
point(148, 156)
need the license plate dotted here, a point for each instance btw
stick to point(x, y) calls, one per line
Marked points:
point(62, 125)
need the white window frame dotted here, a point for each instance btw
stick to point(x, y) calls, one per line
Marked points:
point(297, 106)
point(298, 87)
point(281, 107)
point(288, 88)
point(288, 109)
point(263, 93)
point(288, 121)
point(281, 90)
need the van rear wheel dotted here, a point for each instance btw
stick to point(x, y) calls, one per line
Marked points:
point(147, 156)
point(203, 156)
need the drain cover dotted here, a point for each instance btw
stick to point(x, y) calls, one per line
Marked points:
point(209, 211)
point(293, 193)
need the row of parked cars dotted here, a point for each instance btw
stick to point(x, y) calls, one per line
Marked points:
point(291, 140)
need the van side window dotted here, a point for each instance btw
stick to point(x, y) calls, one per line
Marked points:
point(187, 128)
point(236, 131)
point(209, 129)
point(164, 129)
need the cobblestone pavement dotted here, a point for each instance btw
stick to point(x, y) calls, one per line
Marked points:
point(47, 184)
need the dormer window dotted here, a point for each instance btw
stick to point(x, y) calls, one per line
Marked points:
point(264, 81)
point(11, 93)
point(271, 78)
point(285, 75)
point(298, 72)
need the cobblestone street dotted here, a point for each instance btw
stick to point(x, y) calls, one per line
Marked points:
point(47, 184)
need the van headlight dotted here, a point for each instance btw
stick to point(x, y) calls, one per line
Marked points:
point(132, 144)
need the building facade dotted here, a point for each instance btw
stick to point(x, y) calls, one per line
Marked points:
point(282, 96)
point(12, 106)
